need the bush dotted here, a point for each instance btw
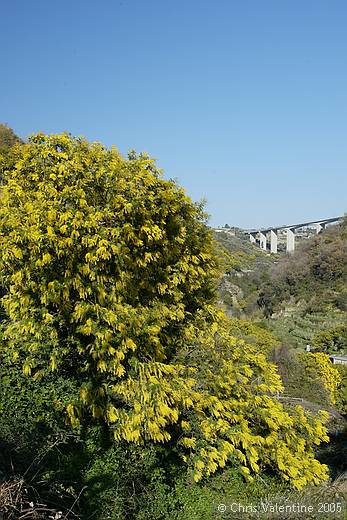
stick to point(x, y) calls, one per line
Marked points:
point(341, 394)
point(331, 340)
point(318, 366)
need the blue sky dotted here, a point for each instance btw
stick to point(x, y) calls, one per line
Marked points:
point(244, 102)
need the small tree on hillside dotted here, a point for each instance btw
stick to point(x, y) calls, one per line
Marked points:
point(7, 137)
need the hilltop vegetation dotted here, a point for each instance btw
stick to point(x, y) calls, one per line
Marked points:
point(316, 274)
point(7, 138)
point(125, 391)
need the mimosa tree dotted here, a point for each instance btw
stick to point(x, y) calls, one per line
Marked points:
point(109, 274)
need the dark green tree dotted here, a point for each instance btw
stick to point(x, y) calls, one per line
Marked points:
point(7, 137)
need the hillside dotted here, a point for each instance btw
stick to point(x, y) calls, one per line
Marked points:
point(298, 295)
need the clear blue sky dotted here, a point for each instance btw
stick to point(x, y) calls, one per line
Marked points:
point(243, 101)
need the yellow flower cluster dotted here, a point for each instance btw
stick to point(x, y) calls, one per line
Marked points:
point(319, 366)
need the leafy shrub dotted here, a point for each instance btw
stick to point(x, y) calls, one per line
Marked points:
point(331, 340)
point(341, 394)
point(31, 410)
point(318, 366)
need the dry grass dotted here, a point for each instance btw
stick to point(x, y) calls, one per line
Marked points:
point(19, 501)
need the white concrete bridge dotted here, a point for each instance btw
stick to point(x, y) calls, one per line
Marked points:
point(267, 239)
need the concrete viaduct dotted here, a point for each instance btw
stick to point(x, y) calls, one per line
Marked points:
point(263, 236)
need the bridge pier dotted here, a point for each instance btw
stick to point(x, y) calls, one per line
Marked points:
point(273, 240)
point(263, 241)
point(320, 226)
point(290, 240)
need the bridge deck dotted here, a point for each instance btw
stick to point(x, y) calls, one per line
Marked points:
point(303, 224)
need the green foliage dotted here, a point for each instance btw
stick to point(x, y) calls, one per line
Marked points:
point(37, 448)
point(318, 366)
point(197, 501)
point(297, 327)
point(126, 481)
point(341, 395)
point(7, 138)
point(331, 340)
point(245, 269)
point(236, 252)
point(230, 260)
point(297, 381)
point(254, 334)
point(30, 409)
